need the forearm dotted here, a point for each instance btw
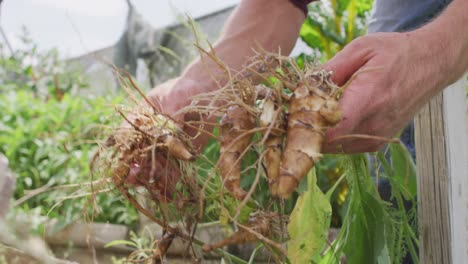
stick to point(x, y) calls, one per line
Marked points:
point(447, 39)
point(272, 25)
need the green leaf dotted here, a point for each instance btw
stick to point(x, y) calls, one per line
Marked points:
point(120, 242)
point(254, 253)
point(368, 233)
point(309, 224)
point(404, 170)
point(311, 34)
point(369, 226)
point(342, 6)
point(350, 30)
point(28, 71)
point(363, 7)
point(333, 188)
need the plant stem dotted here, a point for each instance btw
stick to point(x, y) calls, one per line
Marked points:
point(221, 252)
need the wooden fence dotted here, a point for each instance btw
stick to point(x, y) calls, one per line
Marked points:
point(442, 162)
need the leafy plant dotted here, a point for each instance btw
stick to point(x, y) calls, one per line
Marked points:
point(332, 24)
point(41, 72)
point(142, 246)
point(371, 230)
point(49, 136)
point(48, 147)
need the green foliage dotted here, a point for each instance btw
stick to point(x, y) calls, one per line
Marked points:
point(404, 171)
point(333, 24)
point(373, 231)
point(51, 144)
point(370, 228)
point(402, 195)
point(142, 244)
point(48, 134)
point(41, 72)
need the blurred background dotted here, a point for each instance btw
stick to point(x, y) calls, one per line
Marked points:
point(61, 23)
point(140, 36)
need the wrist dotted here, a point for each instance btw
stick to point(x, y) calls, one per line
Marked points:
point(437, 53)
point(446, 41)
point(205, 73)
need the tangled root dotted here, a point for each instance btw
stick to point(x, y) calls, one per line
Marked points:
point(283, 120)
point(292, 110)
point(150, 155)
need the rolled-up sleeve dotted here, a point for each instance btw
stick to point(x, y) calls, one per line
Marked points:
point(302, 4)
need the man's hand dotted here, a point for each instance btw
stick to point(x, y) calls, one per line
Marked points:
point(393, 79)
point(249, 27)
point(172, 96)
point(395, 75)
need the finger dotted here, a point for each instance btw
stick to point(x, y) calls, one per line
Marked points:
point(348, 61)
point(351, 109)
point(363, 138)
point(354, 108)
point(352, 146)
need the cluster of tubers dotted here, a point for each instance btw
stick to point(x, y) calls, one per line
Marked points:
point(285, 118)
point(291, 111)
point(292, 114)
point(149, 153)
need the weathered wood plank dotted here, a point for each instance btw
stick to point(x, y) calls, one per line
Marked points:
point(428, 188)
point(442, 160)
point(456, 131)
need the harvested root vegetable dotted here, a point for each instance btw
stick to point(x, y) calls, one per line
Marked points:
point(312, 110)
point(235, 125)
point(272, 120)
point(175, 147)
point(293, 109)
point(149, 152)
point(148, 158)
point(293, 116)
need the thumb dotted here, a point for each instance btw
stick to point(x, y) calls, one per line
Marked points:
point(348, 61)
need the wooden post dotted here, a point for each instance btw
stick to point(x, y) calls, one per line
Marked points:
point(442, 162)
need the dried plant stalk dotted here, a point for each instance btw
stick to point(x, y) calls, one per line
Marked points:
point(267, 224)
point(149, 151)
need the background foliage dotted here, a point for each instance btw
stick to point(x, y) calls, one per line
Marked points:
point(49, 133)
